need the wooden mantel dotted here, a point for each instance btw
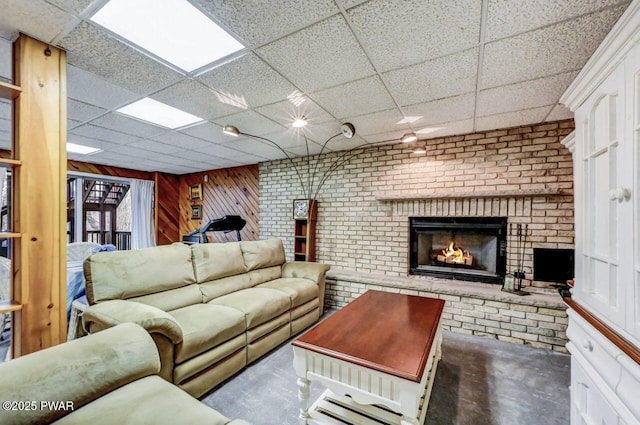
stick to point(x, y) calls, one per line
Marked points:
point(386, 197)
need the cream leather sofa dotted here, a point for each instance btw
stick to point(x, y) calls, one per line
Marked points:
point(107, 378)
point(210, 308)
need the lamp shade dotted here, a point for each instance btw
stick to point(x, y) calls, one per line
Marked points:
point(231, 130)
point(409, 137)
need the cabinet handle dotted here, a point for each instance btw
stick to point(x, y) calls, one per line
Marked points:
point(587, 344)
point(620, 194)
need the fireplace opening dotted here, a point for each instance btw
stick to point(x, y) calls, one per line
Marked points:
point(464, 248)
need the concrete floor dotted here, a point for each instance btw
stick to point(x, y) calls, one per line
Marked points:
point(479, 381)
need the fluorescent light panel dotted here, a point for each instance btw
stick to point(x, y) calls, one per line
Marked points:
point(158, 113)
point(172, 29)
point(81, 149)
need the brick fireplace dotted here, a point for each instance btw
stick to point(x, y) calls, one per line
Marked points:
point(523, 173)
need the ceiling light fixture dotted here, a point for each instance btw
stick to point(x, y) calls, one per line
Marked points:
point(231, 130)
point(299, 122)
point(173, 30)
point(81, 149)
point(409, 137)
point(158, 113)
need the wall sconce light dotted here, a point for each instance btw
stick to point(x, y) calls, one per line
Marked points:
point(420, 149)
point(409, 137)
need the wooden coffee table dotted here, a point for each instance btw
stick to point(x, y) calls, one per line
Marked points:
point(377, 358)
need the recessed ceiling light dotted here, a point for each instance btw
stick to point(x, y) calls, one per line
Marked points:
point(158, 113)
point(174, 30)
point(81, 149)
point(409, 120)
point(299, 122)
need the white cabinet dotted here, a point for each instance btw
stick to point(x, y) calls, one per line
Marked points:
point(605, 97)
point(607, 189)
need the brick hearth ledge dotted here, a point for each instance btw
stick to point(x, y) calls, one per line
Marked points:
point(539, 320)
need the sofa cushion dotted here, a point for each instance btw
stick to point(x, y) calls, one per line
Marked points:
point(217, 260)
point(261, 254)
point(258, 304)
point(300, 290)
point(173, 298)
point(264, 275)
point(204, 326)
point(150, 400)
point(126, 274)
point(219, 287)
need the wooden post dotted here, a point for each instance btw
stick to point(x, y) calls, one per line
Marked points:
point(39, 142)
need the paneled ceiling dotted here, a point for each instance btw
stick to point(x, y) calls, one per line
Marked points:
point(458, 66)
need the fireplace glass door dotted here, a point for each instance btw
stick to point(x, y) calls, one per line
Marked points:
point(469, 248)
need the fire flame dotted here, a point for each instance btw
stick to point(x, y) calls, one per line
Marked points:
point(455, 255)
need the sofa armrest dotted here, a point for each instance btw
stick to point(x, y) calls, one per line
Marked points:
point(305, 270)
point(111, 313)
point(78, 371)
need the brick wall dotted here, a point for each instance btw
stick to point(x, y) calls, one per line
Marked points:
point(358, 232)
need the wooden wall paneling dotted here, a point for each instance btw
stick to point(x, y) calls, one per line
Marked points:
point(106, 170)
point(230, 191)
point(167, 208)
point(39, 141)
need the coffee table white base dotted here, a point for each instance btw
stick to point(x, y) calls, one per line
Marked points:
point(356, 393)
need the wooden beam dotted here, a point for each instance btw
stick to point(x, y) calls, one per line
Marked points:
point(39, 257)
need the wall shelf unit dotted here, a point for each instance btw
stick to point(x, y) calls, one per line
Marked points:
point(304, 238)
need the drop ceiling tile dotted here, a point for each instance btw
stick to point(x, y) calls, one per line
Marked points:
point(347, 4)
point(258, 148)
point(36, 18)
point(551, 50)
point(527, 95)
point(313, 149)
point(82, 111)
point(512, 119)
point(5, 140)
point(89, 88)
point(251, 122)
point(72, 6)
point(398, 33)
point(559, 112)
point(6, 72)
point(287, 139)
point(506, 18)
point(257, 22)
point(131, 151)
point(320, 56)
point(182, 140)
point(449, 109)
point(377, 122)
point(101, 133)
point(72, 124)
point(217, 151)
point(208, 131)
point(355, 98)
point(197, 99)
point(436, 79)
point(446, 129)
point(300, 105)
point(249, 80)
point(118, 122)
point(156, 147)
point(321, 133)
point(387, 136)
point(95, 51)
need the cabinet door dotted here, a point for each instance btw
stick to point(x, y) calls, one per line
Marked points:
point(633, 104)
point(600, 249)
point(588, 404)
